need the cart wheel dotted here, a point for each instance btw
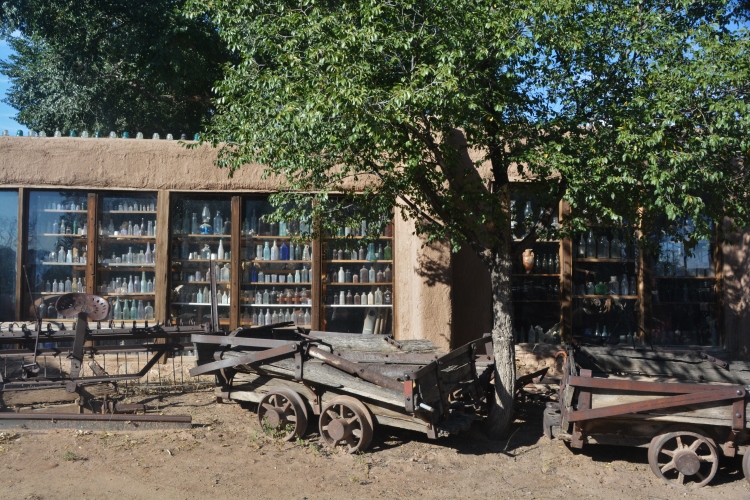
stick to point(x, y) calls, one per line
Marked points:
point(746, 465)
point(346, 421)
point(285, 412)
point(683, 456)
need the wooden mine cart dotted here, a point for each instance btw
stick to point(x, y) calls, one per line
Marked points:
point(352, 382)
point(686, 407)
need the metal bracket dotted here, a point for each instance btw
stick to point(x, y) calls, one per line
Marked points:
point(393, 342)
point(317, 402)
point(298, 363)
point(718, 362)
point(584, 403)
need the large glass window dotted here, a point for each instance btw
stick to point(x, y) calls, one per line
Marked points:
point(201, 236)
point(276, 272)
point(57, 248)
point(358, 277)
point(8, 249)
point(126, 256)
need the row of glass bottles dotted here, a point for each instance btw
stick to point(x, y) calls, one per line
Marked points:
point(70, 256)
point(67, 227)
point(66, 286)
point(296, 316)
point(256, 275)
point(286, 296)
point(536, 289)
point(143, 257)
point(222, 274)
point(203, 296)
point(522, 221)
point(283, 252)
point(604, 248)
point(382, 253)
point(125, 312)
point(257, 226)
point(219, 225)
point(130, 285)
point(129, 229)
point(65, 206)
point(543, 264)
point(626, 286)
point(344, 231)
point(205, 253)
point(363, 276)
point(366, 299)
point(139, 207)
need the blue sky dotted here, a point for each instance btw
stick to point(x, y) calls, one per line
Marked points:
point(6, 112)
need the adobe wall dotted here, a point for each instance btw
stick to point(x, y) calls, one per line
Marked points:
point(736, 295)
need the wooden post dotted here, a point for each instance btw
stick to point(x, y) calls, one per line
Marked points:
point(566, 277)
point(162, 270)
point(21, 249)
point(645, 287)
point(316, 272)
point(92, 243)
point(235, 275)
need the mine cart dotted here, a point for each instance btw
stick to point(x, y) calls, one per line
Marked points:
point(352, 382)
point(687, 407)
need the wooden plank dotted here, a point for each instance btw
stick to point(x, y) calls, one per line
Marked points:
point(162, 268)
point(235, 274)
point(10, 399)
point(92, 243)
point(21, 249)
point(566, 268)
point(317, 272)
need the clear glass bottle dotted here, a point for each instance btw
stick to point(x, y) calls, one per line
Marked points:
point(624, 285)
point(602, 248)
point(148, 312)
point(590, 245)
point(613, 287)
point(218, 224)
point(615, 247)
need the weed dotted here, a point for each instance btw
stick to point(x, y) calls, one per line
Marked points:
point(69, 456)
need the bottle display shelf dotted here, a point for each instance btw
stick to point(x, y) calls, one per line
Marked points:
point(127, 238)
point(291, 306)
point(266, 283)
point(343, 238)
point(69, 264)
point(64, 235)
point(685, 277)
point(201, 236)
point(199, 261)
point(116, 212)
point(536, 275)
point(388, 306)
point(689, 303)
point(602, 260)
point(200, 304)
point(129, 266)
point(128, 295)
point(245, 237)
point(359, 261)
point(63, 211)
point(541, 301)
point(202, 282)
point(262, 261)
point(623, 297)
point(375, 284)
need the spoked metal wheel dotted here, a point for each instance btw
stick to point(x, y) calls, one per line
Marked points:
point(344, 421)
point(746, 465)
point(285, 412)
point(683, 458)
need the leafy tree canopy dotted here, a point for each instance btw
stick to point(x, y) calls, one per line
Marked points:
point(140, 65)
point(627, 110)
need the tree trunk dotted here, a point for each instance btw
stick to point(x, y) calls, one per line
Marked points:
point(501, 413)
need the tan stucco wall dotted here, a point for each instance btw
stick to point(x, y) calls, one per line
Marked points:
point(422, 302)
point(736, 295)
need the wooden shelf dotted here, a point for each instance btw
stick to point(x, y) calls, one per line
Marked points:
point(690, 303)
point(145, 267)
point(198, 261)
point(358, 261)
point(361, 284)
point(247, 237)
point(338, 238)
point(533, 275)
point(57, 235)
point(129, 238)
point(129, 295)
point(55, 211)
point(539, 301)
point(199, 282)
point(69, 264)
point(624, 297)
point(278, 261)
point(202, 236)
point(263, 283)
point(358, 305)
point(685, 277)
point(202, 304)
point(307, 306)
point(124, 212)
point(602, 260)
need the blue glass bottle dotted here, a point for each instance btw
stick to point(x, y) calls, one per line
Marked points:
point(284, 251)
point(254, 275)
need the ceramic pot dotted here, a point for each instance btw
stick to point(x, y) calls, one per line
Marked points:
point(528, 260)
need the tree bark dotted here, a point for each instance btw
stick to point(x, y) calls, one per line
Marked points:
point(501, 413)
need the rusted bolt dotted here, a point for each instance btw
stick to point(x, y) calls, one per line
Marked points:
point(739, 392)
point(737, 415)
point(297, 367)
point(408, 399)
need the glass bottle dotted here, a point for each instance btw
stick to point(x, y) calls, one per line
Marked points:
point(602, 249)
point(306, 253)
point(148, 312)
point(305, 275)
point(254, 223)
point(357, 299)
point(370, 298)
point(378, 297)
point(266, 297)
point(141, 311)
point(615, 247)
point(624, 285)
point(68, 285)
point(220, 251)
point(47, 287)
point(631, 286)
point(380, 277)
point(150, 286)
point(613, 287)
point(297, 276)
point(274, 251)
point(590, 245)
point(349, 298)
point(388, 274)
point(218, 223)
point(125, 310)
point(388, 252)
point(348, 276)
point(255, 318)
point(274, 318)
point(387, 297)
point(283, 251)
point(362, 254)
point(267, 319)
point(307, 319)
point(194, 228)
point(117, 314)
point(342, 275)
point(266, 252)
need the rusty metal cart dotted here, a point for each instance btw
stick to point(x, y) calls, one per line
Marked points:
point(352, 382)
point(687, 408)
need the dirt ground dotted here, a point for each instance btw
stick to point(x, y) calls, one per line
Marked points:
point(227, 455)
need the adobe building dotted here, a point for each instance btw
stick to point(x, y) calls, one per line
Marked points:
point(139, 222)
